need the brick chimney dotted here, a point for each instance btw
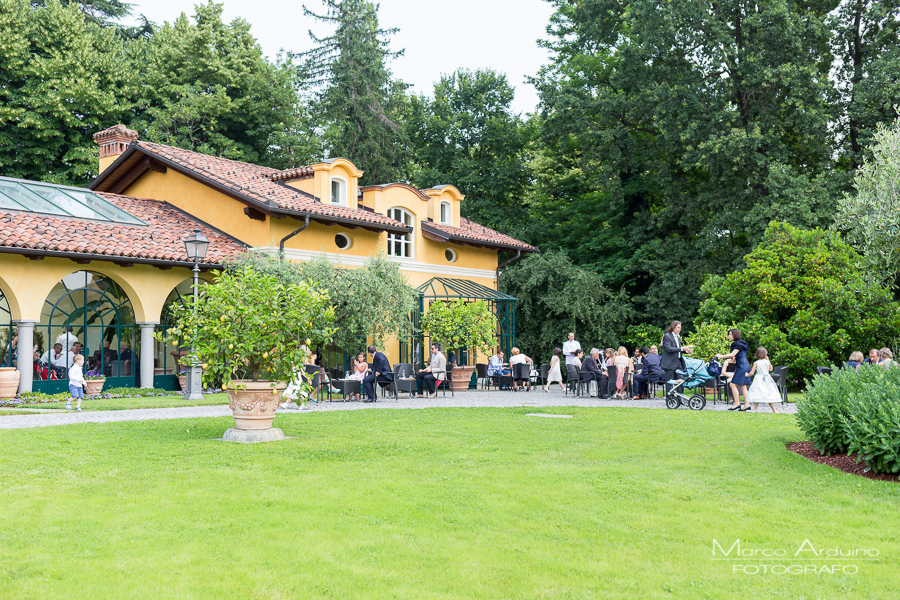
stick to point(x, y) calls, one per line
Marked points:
point(113, 142)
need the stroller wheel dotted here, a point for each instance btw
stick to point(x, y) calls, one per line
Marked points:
point(672, 402)
point(697, 402)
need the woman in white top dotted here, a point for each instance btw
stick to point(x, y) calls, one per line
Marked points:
point(516, 359)
point(887, 358)
point(622, 362)
point(555, 374)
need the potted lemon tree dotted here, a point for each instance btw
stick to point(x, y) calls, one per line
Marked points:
point(461, 324)
point(251, 334)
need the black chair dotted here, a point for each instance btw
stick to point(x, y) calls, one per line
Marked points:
point(611, 372)
point(779, 374)
point(824, 370)
point(447, 382)
point(402, 381)
point(575, 380)
point(522, 372)
point(545, 372)
point(316, 380)
point(482, 374)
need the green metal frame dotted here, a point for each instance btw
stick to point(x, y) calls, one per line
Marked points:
point(86, 317)
point(7, 351)
point(503, 306)
point(165, 381)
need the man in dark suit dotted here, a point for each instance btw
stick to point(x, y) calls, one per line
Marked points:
point(380, 371)
point(590, 371)
point(651, 373)
point(672, 350)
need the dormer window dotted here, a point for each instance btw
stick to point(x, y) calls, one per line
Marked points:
point(338, 191)
point(446, 214)
point(400, 244)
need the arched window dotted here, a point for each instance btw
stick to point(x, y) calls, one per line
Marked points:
point(446, 214)
point(338, 191)
point(400, 244)
point(166, 359)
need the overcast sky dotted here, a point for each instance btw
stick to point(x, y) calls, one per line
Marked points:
point(439, 37)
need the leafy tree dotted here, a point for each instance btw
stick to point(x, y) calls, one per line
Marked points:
point(688, 122)
point(708, 339)
point(373, 301)
point(207, 87)
point(359, 98)
point(467, 135)
point(460, 324)
point(61, 81)
point(870, 218)
point(98, 12)
point(805, 298)
point(555, 297)
point(642, 334)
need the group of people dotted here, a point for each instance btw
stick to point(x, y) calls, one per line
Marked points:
point(883, 358)
point(754, 383)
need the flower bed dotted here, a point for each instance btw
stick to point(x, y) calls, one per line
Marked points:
point(36, 398)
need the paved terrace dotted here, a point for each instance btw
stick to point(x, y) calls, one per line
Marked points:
point(468, 399)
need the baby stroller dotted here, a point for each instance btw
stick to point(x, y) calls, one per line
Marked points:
point(693, 376)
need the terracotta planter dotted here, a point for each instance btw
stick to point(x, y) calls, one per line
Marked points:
point(461, 377)
point(92, 387)
point(182, 381)
point(9, 382)
point(254, 406)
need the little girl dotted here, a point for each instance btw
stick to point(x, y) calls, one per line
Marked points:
point(763, 388)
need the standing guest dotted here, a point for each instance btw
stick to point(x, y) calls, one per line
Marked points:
point(590, 371)
point(872, 359)
point(518, 358)
point(429, 377)
point(741, 379)
point(76, 383)
point(570, 347)
point(622, 363)
point(856, 359)
point(67, 339)
point(58, 360)
point(763, 388)
point(555, 373)
point(380, 372)
point(360, 366)
point(887, 358)
point(672, 359)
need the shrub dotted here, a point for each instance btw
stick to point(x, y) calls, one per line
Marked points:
point(708, 339)
point(642, 334)
point(872, 428)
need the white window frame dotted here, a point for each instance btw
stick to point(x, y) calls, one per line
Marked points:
point(404, 240)
point(346, 237)
point(453, 253)
point(342, 191)
point(449, 219)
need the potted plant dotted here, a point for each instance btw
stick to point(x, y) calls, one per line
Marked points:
point(182, 377)
point(93, 382)
point(251, 334)
point(461, 324)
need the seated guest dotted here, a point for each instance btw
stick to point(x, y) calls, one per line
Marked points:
point(58, 360)
point(312, 360)
point(610, 358)
point(126, 353)
point(651, 373)
point(654, 350)
point(856, 359)
point(579, 356)
point(590, 371)
point(429, 377)
point(872, 358)
point(638, 357)
point(495, 365)
point(518, 358)
point(887, 358)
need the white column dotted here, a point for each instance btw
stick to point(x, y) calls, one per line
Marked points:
point(147, 353)
point(25, 359)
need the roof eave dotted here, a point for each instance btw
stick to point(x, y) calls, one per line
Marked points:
point(457, 239)
point(82, 256)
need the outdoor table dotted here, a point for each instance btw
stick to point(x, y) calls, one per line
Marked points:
point(347, 387)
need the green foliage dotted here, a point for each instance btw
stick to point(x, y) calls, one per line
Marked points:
point(467, 135)
point(206, 86)
point(248, 325)
point(356, 109)
point(374, 301)
point(870, 218)
point(461, 324)
point(805, 298)
point(642, 334)
point(61, 81)
point(556, 297)
point(855, 411)
point(708, 339)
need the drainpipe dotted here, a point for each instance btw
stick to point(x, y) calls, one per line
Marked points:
point(290, 235)
point(500, 266)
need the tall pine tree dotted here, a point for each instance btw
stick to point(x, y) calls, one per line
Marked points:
point(358, 105)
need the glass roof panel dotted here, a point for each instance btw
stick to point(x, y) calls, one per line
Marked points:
point(33, 196)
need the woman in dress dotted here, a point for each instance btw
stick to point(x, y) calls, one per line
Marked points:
point(741, 379)
point(763, 388)
point(622, 362)
point(555, 373)
point(360, 368)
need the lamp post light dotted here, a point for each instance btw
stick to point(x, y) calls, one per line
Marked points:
point(196, 246)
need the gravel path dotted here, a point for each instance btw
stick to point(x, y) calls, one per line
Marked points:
point(492, 399)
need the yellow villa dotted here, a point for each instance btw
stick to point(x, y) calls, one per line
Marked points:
point(102, 265)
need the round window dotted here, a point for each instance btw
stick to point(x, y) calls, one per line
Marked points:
point(450, 253)
point(342, 241)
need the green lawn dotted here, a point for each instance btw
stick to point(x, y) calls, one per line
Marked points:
point(151, 402)
point(440, 503)
point(6, 413)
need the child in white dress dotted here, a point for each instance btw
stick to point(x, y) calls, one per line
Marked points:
point(763, 388)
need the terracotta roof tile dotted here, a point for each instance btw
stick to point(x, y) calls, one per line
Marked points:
point(160, 239)
point(470, 230)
